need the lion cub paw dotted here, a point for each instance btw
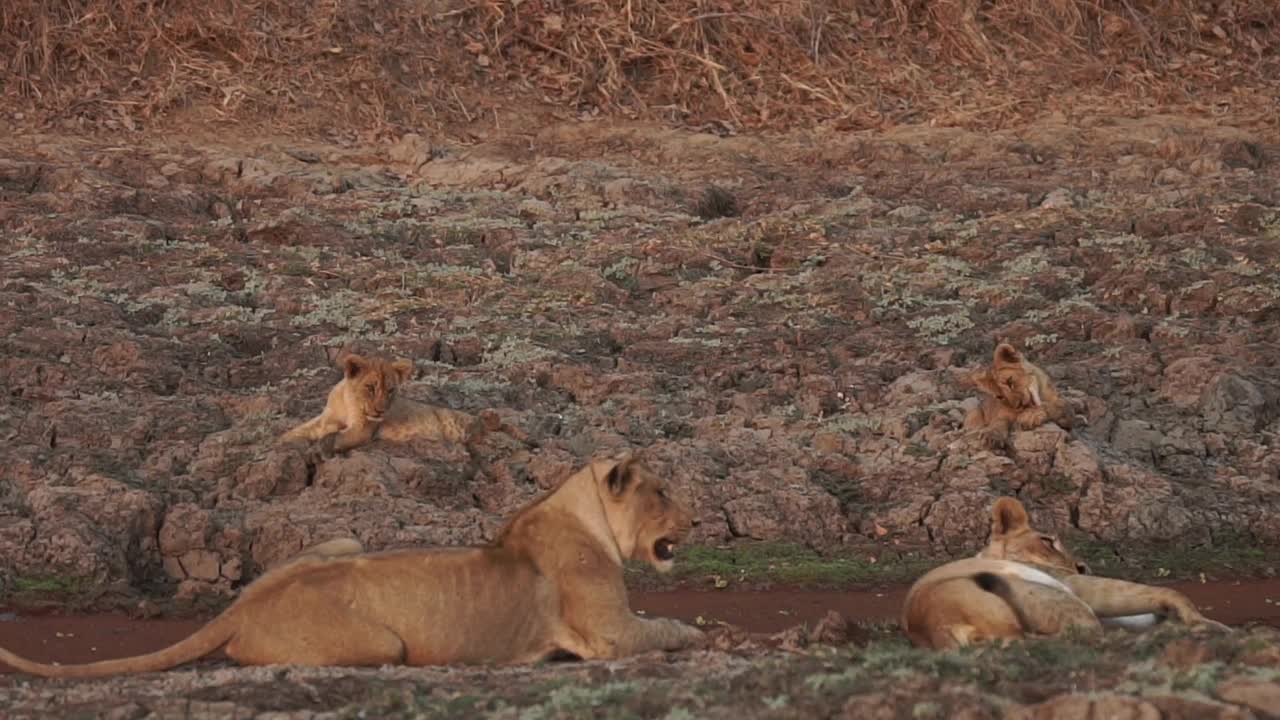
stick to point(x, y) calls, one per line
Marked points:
point(994, 438)
point(1032, 418)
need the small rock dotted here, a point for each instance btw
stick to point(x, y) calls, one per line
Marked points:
point(186, 527)
point(1233, 405)
point(128, 711)
point(1185, 380)
point(202, 565)
point(1202, 166)
point(1078, 706)
point(1195, 300)
point(1243, 154)
point(873, 706)
point(412, 150)
point(911, 213)
point(828, 442)
point(282, 472)
point(1171, 176)
point(1264, 697)
point(832, 629)
point(1058, 199)
point(1136, 438)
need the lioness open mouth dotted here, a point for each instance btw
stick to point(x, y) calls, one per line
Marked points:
point(664, 549)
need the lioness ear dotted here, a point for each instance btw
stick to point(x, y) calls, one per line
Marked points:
point(985, 382)
point(352, 364)
point(1008, 515)
point(620, 476)
point(403, 370)
point(1005, 355)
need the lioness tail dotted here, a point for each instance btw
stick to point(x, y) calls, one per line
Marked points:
point(201, 643)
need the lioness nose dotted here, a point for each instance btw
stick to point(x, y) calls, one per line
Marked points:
point(1082, 568)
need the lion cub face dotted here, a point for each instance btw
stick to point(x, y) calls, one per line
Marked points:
point(371, 383)
point(1013, 380)
point(1013, 538)
point(647, 523)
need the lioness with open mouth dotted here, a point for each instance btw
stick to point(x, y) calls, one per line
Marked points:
point(550, 584)
point(1026, 583)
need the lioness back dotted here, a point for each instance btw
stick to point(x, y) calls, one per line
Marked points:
point(448, 605)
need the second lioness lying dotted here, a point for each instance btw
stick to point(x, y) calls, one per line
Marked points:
point(1026, 583)
point(366, 404)
point(550, 583)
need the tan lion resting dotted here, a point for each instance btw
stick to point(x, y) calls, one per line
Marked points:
point(1026, 583)
point(1014, 393)
point(551, 583)
point(365, 404)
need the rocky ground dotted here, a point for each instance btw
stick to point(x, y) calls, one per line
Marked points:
point(783, 323)
point(796, 367)
point(831, 670)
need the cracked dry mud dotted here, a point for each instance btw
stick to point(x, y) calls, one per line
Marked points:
point(796, 367)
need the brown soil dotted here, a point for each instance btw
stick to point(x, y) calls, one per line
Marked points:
point(77, 639)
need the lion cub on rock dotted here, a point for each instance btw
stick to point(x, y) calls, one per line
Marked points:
point(1026, 583)
point(551, 583)
point(1014, 392)
point(365, 405)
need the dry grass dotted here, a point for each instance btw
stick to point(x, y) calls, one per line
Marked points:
point(741, 62)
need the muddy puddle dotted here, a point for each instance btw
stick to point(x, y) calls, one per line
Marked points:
point(84, 638)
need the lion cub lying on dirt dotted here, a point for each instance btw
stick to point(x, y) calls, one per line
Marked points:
point(364, 405)
point(1026, 583)
point(1014, 392)
point(550, 583)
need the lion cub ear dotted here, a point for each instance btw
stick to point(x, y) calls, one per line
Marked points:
point(621, 475)
point(352, 364)
point(1006, 355)
point(1007, 516)
point(403, 370)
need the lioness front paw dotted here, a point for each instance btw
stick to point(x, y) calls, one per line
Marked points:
point(1211, 625)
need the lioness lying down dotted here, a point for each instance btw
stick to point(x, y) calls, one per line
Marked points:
point(366, 404)
point(1026, 583)
point(551, 583)
point(1015, 393)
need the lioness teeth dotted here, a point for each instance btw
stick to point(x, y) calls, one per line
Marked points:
point(664, 549)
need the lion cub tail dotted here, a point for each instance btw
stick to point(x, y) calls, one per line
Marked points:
point(201, 643)
point(488, 421)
